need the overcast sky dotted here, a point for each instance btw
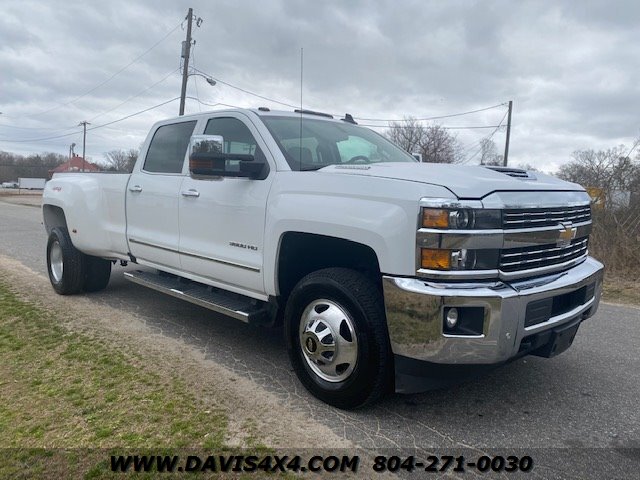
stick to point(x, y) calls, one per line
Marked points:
point(571, 68)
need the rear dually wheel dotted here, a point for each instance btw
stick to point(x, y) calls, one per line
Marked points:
point(65, 263)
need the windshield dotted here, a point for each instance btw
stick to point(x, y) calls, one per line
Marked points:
point(318, 143)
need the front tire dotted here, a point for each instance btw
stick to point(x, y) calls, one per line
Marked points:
point(65, 263)
point(337, 338)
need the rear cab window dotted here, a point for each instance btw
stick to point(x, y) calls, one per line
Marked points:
point(168, 148)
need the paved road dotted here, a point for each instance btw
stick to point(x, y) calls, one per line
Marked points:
point(587, 398)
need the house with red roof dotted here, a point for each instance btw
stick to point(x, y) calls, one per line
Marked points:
point(75, 165)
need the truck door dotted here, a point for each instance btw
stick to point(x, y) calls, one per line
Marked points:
point(152, 197)
point(222, 218)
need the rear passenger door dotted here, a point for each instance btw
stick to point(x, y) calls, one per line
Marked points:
point(152, 197)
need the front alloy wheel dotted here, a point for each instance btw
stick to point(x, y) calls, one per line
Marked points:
point(337, 337)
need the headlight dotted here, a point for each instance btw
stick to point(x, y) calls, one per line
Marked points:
point(458, 236)
point(461, 218)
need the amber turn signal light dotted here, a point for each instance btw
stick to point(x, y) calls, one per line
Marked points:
point(435, 259)
point(435, 218)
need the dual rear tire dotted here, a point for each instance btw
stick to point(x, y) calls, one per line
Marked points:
point(70, 270)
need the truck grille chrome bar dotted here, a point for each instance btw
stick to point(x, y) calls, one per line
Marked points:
point(539, 217)
point(516, 259)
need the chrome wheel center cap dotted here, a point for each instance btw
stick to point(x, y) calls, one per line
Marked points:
point(328, 340)
point(311, 344)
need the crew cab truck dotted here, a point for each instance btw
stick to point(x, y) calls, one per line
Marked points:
point(387, 273)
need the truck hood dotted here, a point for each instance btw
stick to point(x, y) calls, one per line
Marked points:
point(466, 182)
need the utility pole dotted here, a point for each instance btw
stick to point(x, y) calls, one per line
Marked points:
point(84, 139)
point(186, 50)
point(506, 143)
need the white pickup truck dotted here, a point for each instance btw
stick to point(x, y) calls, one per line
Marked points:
point(387, 273)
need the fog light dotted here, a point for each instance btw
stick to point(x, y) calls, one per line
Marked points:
point(452, 318)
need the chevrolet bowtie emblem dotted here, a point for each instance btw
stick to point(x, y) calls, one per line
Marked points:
point(567, 234)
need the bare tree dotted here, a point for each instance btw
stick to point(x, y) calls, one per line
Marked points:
point(609, 170)
point(615, 178)
point(121, 160)
point(489, 153)
point(434, 142)
point(407, 134)
point(439, 146)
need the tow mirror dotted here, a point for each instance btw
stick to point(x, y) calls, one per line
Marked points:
point(207, 159)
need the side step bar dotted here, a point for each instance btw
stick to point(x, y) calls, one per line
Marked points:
point(220, 301)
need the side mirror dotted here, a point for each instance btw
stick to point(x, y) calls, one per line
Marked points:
point(205, 155)
point(207, 159)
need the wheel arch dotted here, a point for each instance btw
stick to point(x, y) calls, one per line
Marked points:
point(301, 253)
point(53, 217)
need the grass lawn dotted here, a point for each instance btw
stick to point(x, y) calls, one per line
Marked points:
point(81, 399)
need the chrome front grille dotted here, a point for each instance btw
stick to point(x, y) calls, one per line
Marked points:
point(545, 217)
point(527, 258)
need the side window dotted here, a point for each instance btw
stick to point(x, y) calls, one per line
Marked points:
point(237, 138)
point(168, 148)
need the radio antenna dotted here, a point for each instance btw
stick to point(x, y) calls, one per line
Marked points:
point(301, 110)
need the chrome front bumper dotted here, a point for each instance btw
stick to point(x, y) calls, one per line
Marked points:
point(415, 307)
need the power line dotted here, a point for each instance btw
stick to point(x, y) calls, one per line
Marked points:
point(633, 147)
point(94, 127)
point(468, 127)
point(213, 104)
point(488, 137)
point(100, 114)
point(2, 125)
point(134, 114)
point(137, 94)
point(479, 142)
point(247, 91)
point(358, 118)
point(451, 115)
point(41, 139)
point(195, 77)
point(107, 80)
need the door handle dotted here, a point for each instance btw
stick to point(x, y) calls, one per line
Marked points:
point(190, 193)
point(135, 188)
